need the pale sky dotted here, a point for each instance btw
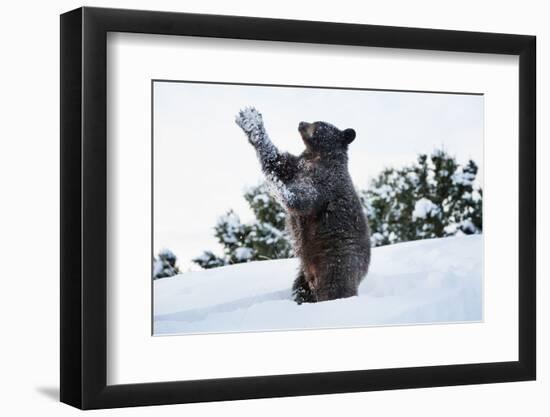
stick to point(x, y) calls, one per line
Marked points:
point(203, 161)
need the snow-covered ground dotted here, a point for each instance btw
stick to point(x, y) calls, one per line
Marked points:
point(426, 281)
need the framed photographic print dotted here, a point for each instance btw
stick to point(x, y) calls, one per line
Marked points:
point(257, 207)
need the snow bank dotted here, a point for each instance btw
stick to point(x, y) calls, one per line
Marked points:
point(427, 281)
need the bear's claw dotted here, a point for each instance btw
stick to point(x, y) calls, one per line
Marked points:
point(249, 119)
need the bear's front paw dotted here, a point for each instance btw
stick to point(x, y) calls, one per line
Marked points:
point(249, 120)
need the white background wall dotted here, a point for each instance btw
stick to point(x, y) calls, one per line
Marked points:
point(29, 213)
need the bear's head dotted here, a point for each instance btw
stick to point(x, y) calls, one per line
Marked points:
point(322, 137)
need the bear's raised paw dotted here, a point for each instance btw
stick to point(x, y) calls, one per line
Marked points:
point(249, 119)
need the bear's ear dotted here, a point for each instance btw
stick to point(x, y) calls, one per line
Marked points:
point(349, 135)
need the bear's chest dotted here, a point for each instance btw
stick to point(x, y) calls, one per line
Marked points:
point(310, 170)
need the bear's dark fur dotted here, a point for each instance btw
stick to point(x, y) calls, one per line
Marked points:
point(325, 215)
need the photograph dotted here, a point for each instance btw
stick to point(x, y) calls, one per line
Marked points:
point(279, 207)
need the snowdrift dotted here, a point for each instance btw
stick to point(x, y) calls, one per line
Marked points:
point(427, 281)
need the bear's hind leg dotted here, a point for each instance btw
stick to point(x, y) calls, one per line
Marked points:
point(301, 291)
point(336, 282)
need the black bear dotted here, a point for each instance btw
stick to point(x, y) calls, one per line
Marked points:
point(324, 213)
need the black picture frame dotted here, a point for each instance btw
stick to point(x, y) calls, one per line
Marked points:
point(84, 207)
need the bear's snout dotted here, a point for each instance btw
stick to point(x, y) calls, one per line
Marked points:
point(306, 130)
point(302, 127)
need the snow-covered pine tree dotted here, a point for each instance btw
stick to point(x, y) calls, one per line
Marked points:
point(165, 265)
point(264, 238)
point(436, 197)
